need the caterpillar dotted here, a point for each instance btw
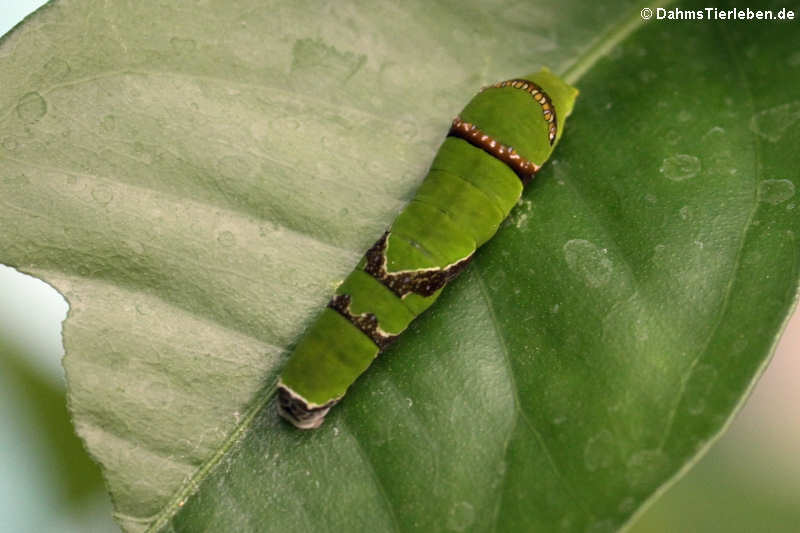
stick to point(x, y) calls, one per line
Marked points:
point(494, 147)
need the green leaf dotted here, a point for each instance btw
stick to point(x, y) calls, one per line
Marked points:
point(195, 181)
point(73, 476)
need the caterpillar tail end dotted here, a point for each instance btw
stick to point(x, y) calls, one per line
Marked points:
point(295, 409)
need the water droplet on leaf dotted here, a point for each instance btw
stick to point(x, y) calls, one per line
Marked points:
point(775, 191)
point(589, 262)
point(460, 516)
point(680, 167)
point(772, 123)
point(102, 194)
point(226, 238)
point(31, 107)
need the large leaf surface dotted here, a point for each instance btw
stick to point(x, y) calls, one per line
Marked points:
point(195, 180)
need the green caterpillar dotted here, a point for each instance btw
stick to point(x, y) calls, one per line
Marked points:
point(474, 181)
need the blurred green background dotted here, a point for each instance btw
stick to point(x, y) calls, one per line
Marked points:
point(749, 481)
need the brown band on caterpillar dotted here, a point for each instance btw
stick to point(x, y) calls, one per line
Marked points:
point(541, 98)
point(524, 168)
point(366, 322)
point(424, 282)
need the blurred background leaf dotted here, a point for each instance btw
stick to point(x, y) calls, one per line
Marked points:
point(46, 409)
point(48, 483)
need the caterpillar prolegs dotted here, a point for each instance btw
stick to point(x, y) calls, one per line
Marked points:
point(494, 147)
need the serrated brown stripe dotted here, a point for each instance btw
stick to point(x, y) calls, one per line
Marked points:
point(366, 322)
point(422, 282)
point(524, 168)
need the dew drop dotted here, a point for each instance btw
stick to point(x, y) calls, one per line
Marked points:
point(234, 167)
point(794, 60)
point(601, 526)
point(226, 239)
point(714, 133)
point(627, 505)
point(410, 402)
point(55, 69)
point(646, 468)
point(697, 406)
point(699, 387)
point(772, 123)
point(775, 191)
point(269, 226)
point(10, 144)
point(288, 124)
point(407, 129)
point(17, 180)
point(680, 167)
point(181, 45)
point(589, 262)
point(685, 212)
point(136, 247)
point(109, 123)
point(673, 137)
point(102, 194)
point(460, 516)
point(647, 76)
point(115, 360)
point(684, 116)
point(599, 451)
point(325, 168)
point(31, 107)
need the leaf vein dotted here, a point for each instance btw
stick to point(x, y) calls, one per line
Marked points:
point(519, 414)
